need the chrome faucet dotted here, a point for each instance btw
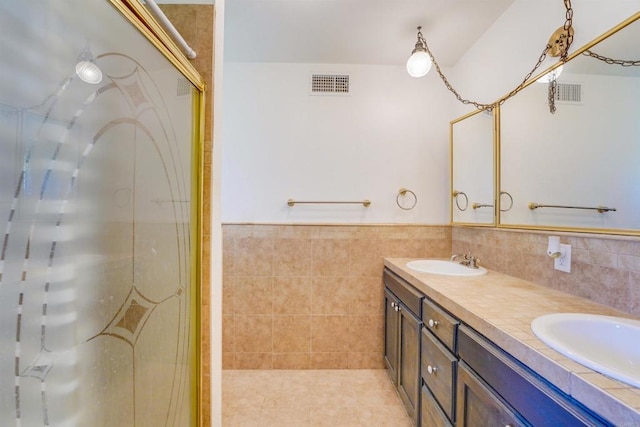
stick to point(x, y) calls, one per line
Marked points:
point(456, 256)
point(467, 260)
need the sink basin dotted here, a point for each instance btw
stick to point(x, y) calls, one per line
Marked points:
point(608, 345)
point(447, 268)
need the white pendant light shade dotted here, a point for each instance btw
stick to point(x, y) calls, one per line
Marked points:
point(551, 75)
point(89, 72)
point(418, 64)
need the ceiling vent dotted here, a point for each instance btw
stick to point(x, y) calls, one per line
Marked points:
point(329, 84)
point(569, 93)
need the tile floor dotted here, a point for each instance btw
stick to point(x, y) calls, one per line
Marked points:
point(336, 398)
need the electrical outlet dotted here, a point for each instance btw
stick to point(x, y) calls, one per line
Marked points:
point(563, 262)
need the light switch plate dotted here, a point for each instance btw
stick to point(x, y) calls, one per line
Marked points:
point(563, 263)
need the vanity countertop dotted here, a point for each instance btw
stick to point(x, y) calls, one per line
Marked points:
point(501, 307)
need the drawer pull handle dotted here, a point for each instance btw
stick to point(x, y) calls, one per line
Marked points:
point(433, 323)
point(432, 369)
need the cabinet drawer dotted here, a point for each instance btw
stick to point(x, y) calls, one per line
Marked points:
point(440, 324)
point(439, 372)
point(431, 415)
point(406, 293)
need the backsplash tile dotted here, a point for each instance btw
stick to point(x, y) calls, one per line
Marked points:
point(604, 269)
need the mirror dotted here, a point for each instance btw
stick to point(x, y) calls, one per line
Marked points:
point(472, 169)
point(577, 169)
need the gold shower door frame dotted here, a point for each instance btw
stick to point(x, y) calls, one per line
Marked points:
point(101, 201)
point(138, 15)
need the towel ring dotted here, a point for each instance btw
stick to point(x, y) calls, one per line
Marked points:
point(403, 192)
point(456, 194)
point(510, 199)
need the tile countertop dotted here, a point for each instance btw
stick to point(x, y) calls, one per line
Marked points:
point(502, 307)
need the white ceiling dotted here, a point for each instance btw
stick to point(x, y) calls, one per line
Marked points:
point(353, 31)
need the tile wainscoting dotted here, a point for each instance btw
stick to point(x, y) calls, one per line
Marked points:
point(311, 296)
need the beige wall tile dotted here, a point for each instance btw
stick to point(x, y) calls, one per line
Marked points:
point(370, 333)
point(228, 333)
point(602, 267)
point(292, 334)
point(329, 256)
point(253, 334)
point(292, 295)
point(292, 257)
point(253, 256)
point(366, 258)
point(371, 360)
point(253, 295)
point(404, 248)
point(330, 295)
point(292, 360)
point(228, 360)
point(335, 360)
point(338, 281)
point(253, 360)
point(228, 255)
point(366, 295)
point(228, 288)
point(634, 293)
point(330, 334)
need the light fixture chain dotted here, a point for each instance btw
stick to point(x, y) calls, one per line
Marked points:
point(568, 23)
point(480, 106)
point(553, 88)
point(611, 61)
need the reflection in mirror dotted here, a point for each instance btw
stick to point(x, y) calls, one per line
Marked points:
point(472, 169)
point(586, 155)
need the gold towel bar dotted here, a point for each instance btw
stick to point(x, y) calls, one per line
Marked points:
point(600, 209)
point(481, 205)
point(365, 203)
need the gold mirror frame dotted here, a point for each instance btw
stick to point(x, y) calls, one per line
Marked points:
point(611, 231)
point(134, 12)
point(456, 194)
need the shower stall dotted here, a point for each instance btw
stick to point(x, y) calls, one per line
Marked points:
point(100, 136)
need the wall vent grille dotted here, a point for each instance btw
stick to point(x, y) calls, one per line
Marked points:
point(330, 84)
point(569, 93)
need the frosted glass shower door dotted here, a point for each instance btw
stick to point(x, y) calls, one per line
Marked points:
point(98, 221)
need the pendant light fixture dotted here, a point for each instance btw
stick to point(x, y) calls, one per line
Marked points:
point(551, 75)
point(419, 62)
point(422, 59)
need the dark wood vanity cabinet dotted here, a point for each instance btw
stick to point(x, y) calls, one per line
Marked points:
point(403, 306)
point(496, 389)
point(447, 374)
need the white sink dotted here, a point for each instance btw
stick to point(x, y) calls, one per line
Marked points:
point(447, 268)
point(609, 345)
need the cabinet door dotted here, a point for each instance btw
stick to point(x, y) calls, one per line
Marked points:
point(430, 413)
point(391, 343)
point(409, 364)
point(478, 405)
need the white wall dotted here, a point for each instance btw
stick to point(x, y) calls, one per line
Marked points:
point(281, 142)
